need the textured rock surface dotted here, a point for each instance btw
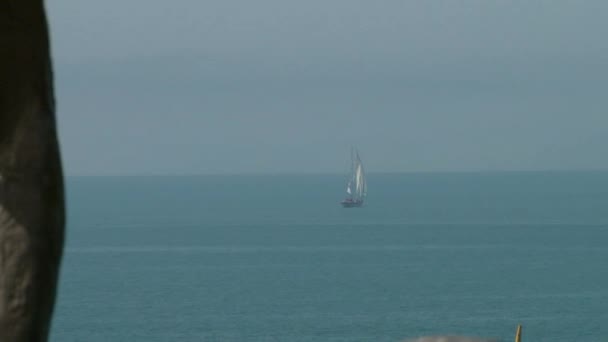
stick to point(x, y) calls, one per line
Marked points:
point(31, 186)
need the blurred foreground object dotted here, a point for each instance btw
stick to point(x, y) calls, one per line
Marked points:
point(462, 339)
point(518, 334)
point(450, 339)
point(31, 182)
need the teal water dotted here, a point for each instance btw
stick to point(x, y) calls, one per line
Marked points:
point(275, 258)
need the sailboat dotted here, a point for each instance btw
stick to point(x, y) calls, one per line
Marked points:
point(357, 186)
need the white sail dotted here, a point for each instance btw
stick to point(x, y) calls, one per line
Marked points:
point(360, 177)
point(357, 179)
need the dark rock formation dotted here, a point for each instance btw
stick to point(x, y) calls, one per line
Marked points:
point(31, 183)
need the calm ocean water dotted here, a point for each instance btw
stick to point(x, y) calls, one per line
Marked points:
point(275, 258)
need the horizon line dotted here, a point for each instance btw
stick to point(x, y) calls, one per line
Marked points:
point(288, 173)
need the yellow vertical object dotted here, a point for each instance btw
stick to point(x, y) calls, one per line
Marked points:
point(518, 333)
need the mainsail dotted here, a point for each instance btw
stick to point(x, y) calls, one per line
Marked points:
point(357, 180)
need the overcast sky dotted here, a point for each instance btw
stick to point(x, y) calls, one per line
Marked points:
point(273, 86)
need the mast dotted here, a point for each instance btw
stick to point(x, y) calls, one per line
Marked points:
point(351, 178)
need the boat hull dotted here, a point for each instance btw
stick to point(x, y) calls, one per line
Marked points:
point(351, 204)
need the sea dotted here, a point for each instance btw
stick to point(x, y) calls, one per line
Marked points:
point(276, 258)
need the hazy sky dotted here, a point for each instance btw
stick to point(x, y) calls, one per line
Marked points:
point(221, 86)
